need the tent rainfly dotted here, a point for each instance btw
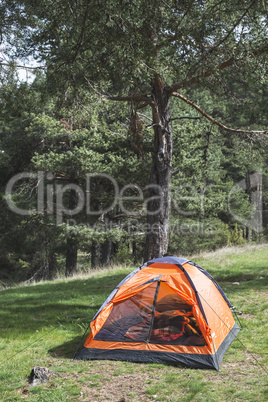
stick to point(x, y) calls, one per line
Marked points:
point(169, 310)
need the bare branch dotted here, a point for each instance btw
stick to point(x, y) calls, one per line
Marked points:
point(141, 100)
point(204, 74)
point(20, 66)
point(143, 105)
point(217, 123)
point(185, 117)
point(146, 117)
point(92, 87)
point(174, 172)
point(208, 73)
point(158, 125)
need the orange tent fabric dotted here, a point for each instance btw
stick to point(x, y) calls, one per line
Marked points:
point(168, 310)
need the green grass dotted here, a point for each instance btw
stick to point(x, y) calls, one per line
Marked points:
point(42, 324)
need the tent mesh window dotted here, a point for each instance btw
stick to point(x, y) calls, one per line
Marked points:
point(156, 315)
point(134, 313)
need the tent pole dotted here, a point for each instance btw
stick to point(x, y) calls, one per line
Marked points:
point(153, 311)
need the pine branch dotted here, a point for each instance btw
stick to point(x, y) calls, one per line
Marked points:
point(217, 123)
point(213, 48)
point(82, 34)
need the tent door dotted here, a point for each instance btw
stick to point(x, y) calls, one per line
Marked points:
point(156, 314)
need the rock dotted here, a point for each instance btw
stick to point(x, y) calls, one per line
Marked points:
point(39, 375)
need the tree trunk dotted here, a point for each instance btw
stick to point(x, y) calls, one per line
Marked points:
point(106, 249)
point(158, 205)
point(95, 255)
point(254, 190)
point(51, 264)
point(260, 208)
point(134, 251)
point(71, 245)
point(71, 256)
point(257, 203)
point(248, 191)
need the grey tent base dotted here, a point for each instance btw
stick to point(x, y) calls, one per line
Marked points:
point(142, 356)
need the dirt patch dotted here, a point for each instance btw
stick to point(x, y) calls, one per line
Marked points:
point(124, 388)
point(112, 383)
point(117, 381)
point(239, 371)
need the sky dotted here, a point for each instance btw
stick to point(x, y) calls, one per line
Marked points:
point(24, 73)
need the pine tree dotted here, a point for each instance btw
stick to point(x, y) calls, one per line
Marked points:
point(144, 53)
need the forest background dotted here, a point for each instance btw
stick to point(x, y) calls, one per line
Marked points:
point(140, 133)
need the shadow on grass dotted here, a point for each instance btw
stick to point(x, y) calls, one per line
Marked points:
point(68, 349)
point(242, 283)
point(31, 308)
point(245, 276)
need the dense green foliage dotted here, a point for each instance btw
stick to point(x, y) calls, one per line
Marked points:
point(206, 165)
point(92, 133)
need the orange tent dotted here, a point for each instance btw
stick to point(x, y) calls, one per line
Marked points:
point(168, 310)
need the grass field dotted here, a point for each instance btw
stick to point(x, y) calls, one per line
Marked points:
point(42, 324)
